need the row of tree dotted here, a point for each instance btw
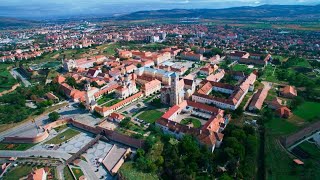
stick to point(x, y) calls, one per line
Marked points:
point(186, 159)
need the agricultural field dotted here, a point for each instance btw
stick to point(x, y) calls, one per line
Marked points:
point(150, 116)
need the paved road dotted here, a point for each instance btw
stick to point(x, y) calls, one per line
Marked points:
point(28, 128)
point(16, 74)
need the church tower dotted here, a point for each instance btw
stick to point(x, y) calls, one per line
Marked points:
point(90, 99)
point(174, 95)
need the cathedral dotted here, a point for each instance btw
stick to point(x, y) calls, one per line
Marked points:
point(174, 94)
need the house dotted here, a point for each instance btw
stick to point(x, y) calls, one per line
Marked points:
point(237, 55)
point(151, 87)
point(209, 134)
point(93, 72)
point(288, 92)
point(52, 97)
point(283, 112)
point(38, 174)
point(191, 56)
point(116, 117)
point(208, 69)
point(258, 99)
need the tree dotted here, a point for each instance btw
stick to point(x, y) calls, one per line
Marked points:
point(139, 65)
point(125, 122)
point(54, 116)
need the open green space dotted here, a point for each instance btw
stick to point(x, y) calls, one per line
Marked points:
point(242, 67)
point(279, 126)
point(67, 173)
point(150, 116)
point(112, 102)
point(130, 173)
point(18, 172)
point(278, 161)
point(270, 74)
point(219, 94)
point(15, 147)
point(196, 123)
point(62, 137)
point(77, 172)
point(60, 128)
point(6, 79)
point(311, 149)
point(105, 98)
point(308, 110)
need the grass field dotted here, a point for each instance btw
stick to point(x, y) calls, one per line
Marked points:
point(60, 128)
point(280, 126)
point(130, 173)
point(242, 67)
point(77, 172)
point(278, 162)
point(196, 123)
point(308, 110)
point(106, 98)
point(113, 102)
point(66, 135)
point(150, 116)
point(6, 79)
point(311, 149)
point(16, 147)
point(269, 74)
point(18, 172)
point(67, 173)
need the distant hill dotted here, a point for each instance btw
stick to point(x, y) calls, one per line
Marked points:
point(15, 23)
point(264, 11)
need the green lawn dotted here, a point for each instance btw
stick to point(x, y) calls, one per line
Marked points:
point(60, 128)
point(241, 67)
point(6, 79)
point(66, 135)
point(269, 75)
point(150, 116)
point(130, 173)
point(308, 110)
point(311, 149)
point(279, 126)
point(196, 123)
point(17, 172)
point(16, 147)
point(105, 98)
point(113, 102)
point(279, 164)
point(77, 172)
point(67, 173)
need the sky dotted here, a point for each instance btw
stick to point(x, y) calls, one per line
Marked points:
point(64, 8)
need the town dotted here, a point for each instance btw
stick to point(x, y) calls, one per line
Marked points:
point(97, 100)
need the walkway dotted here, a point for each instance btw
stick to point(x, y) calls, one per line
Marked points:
point(84, 149)
point(10, 90)
point(89, 173)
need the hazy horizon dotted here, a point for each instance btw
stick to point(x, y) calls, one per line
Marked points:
point(39, 9)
